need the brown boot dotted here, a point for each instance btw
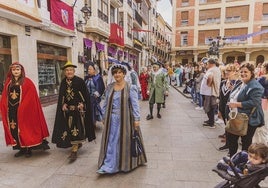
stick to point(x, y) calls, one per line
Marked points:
point(73, 156)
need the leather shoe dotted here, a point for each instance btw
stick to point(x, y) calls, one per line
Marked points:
point(149, 117)
point(73, 156)
point(159, 116)
point(19, 153)
point(223, 148)
point(28, 153)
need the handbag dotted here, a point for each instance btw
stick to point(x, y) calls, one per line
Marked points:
point(136, 145)
point(238, 123)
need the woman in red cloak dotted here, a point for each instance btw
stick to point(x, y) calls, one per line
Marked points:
point(144, 77)
point(23, 119)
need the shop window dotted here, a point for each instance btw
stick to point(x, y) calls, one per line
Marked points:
point(5, 56)
point(50, 60)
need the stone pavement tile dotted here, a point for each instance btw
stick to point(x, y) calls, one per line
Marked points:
point(63, 181)
point(159, 156)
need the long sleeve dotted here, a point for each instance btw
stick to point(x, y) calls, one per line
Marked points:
point(135, 102)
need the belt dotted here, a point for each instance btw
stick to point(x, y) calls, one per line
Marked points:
point(72, 107)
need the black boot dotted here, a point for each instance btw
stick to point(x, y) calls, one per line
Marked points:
point(20, 153)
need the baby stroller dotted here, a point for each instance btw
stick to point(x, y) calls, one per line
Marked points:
point(188, 86)
point(238, 180)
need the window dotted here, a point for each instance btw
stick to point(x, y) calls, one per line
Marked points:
point(112, 15)
point(5, 56)
point(129, 26)
point(50, 59)
point(184, 38)
point(103, 10)
point(184, 18)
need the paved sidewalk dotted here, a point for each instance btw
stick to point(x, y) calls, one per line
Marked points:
point(181, 154)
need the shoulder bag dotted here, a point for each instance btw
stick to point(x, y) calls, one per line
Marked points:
point(238, 123)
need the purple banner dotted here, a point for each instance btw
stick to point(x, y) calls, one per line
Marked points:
point(88, 43)
point(99, 46)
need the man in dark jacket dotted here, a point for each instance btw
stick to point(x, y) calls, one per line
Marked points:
point(73, 122)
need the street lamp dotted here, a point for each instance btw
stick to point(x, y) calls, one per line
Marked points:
point(215, 45)
point(86, 13)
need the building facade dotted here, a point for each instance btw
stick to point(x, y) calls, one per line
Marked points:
point(44, 34)
point(237, 27)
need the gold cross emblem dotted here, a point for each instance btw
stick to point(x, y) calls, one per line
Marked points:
point(14, 95)
point(12, 124)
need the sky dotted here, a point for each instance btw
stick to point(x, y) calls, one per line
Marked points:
point(165, 9)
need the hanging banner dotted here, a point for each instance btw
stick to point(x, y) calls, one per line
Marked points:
point(241, 37)
point(116, 35)
point(62, 14)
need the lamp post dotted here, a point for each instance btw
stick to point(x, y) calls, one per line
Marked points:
point(86, 13)
point(215, 44)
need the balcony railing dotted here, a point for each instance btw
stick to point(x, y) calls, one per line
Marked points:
point(102, 16)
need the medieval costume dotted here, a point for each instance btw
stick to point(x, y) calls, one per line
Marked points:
point(121, 110)
point(144, 77)
point(23, 119)
point(74, 124)
point(96, 87)
point(157, 88)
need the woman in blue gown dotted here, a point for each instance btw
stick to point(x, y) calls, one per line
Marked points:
point(96, 87)
point(121, 117)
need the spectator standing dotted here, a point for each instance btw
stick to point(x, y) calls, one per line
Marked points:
point(246, 99)
point(210, 87)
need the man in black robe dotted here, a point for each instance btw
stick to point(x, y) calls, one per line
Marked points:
point(73, 122)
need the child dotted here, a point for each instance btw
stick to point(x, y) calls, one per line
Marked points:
point(245, 163)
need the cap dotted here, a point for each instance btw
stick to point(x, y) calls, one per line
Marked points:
point(68, 64)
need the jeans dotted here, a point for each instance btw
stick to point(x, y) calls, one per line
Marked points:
point(200, 99)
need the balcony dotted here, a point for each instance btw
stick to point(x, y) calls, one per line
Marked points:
point(117, 3)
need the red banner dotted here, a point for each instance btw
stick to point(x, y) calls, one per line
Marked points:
point(62, 14)
point(116, 35)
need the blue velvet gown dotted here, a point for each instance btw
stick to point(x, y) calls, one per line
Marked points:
point(111, 161)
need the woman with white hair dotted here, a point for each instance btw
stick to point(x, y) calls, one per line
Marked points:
point(96, 87)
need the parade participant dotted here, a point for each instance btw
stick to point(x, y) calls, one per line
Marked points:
point(23, 119)
point(96, 87)
point(144, 77)
point(73, 122)
point(121, 117)
point(157, 88)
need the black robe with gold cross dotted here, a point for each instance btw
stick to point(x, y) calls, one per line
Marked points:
point(73, 126)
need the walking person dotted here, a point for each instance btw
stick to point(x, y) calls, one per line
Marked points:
point(246, 99)
point(157, 88)
point(73, 121)
point(121, 118)
point(96, 87)
point(23, 119)
point(144, 77)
